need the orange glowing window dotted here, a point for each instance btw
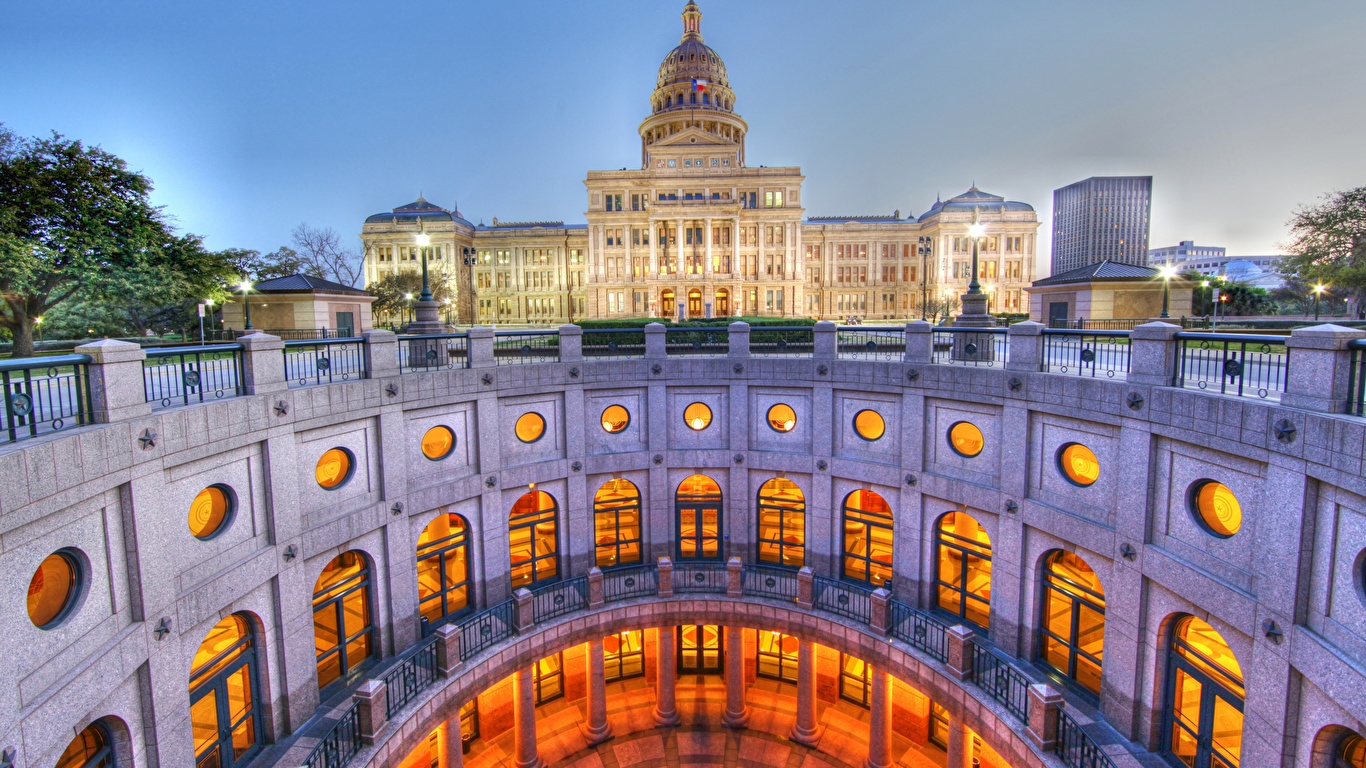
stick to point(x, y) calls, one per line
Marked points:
point(210, 511)
point(52, 589)
point(1216, 508)
point(782, 418)
point(1078, 464)
point(334, 468)
point(868, 424)
point(90, 749)
point(966, 439)
point(438, 443)
point(697, 416)
point(530, 427)
point(615, 418)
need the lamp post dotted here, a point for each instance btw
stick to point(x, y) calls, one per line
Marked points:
point(975, 231)
point(447, 302)
point(408, 318)
point(38, 321)
point(246, 303)
point(1166, 275)
point(1205, 284)
point(208, 307)
point(424, 240)
point(926, 244)
point(1318, 291)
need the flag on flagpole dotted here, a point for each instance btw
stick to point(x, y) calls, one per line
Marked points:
point(699, 85)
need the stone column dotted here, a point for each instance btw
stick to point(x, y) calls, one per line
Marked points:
point(117, 389)
point(666, 677)
point(381, 353)
point(738, 338)
point(453, 750)
point(826, 343)
point(1152, 354)
point(805, 731)
point(654, 248)
point(597, 729)
point(706, 265)
point(919, 342)
point(263, 363)
point(571, 344)
point(655, 343)
point(880, 725)
point(960, 745)
point(1044, 705)
point(1025, 352)
point(480, 341)
point(737, 714)
point(681, 269)
point(1320, 380)
point(526, 754)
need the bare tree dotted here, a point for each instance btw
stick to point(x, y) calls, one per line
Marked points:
point(323, 254)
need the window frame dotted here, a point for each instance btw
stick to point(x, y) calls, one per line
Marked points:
point(359, 582)
point(849, 680)
point(968, 547)
point(532, 521)
point(701, 666)
point(441, 549)
point(1094, 601)
point(615, 508)
point(868, 520)
point(785, 663)
point(768, 502)
point(217, 685)
point(698, 503)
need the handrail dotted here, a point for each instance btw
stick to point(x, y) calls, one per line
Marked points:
point(994, 673)
point(34, 363)
point(340, 743)
point(154, 352)
point(1075, 746)
point(45, 402)
point(1085, 332)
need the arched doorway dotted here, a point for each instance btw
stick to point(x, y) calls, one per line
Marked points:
point(1351, 752)
point(224, 711)
point(697, 505)
point(533, 539)
point(342, 625)
point(1072, 633)
point(868, 530)
point(722, 302)
point(443, 568)
point(962, 576)
point(616, 524)
point(695, 303)
point(1203, 716)
point(91, 748)
point(782, 523)
point(666, 303)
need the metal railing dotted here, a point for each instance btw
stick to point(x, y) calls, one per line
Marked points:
point(324, 361)
point(1086, 353)
point(978, 347)
point(434, 352)
point(629, 583)
point(339, 744)
point(870, 343)
point(919, 630)
point(1082, 324)
point(993, 673)
point(555, 600)
point(612, 344)
point(1356, 379)
point(703, 342)
point(484, 629)
point(44, 394)
point(1233, 364)
point(522, 347)
point(848, 600)
point(799, 341)
point(1076, 748)
point(184, 375)
point(769, 581)
point(410, 677)
point(697, 578)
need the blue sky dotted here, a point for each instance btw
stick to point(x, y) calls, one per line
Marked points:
point(251, 117)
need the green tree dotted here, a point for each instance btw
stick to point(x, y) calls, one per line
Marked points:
point(256, 266)
point(391, 291)
point(1328, 243)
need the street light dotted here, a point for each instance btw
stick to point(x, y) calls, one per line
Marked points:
point(424, 240)
point(1166, 273)
point(409, 298)
point(447, 302)
point(1318, 291)
point(38, 321)
point(926, 244)
point(245, 287)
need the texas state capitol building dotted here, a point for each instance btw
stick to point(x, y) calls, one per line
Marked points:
point(699, 231)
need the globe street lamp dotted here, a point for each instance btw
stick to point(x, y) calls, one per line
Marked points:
point(38, 321)
point(409, 298)
point(1318, 291)
point(1205, 284)
point(1166, 273)
point(245, 287)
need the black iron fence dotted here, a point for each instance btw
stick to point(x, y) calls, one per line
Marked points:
point(339, 744)
point(324, 361)
point(695, 578)
point(612, 344)
point(184, 375)
point(1115, 324)
point(44, 394)
point(486, 628)
point(705, 342)
point(410, 677)
point(919, 630)
point(848, 600)
point(870, 343)
point(1086, 353)
point(1233, 364)
point(555, 600)
point(769, 581)
point(977, 347)
point(798, 341)
point(993, 673)
point(435, 352)
point(1076, 748)
point(629, 583)
point(523, 347)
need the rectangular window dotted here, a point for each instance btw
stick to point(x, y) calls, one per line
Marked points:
point(856, 680)
point(773, 199)
point(623, 655)
point(939, 726)
point(547, 677)
point(776, 656)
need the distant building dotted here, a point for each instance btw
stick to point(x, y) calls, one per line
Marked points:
point(1103, 218)
point(1259, 271)
point(1107, 295)
point(302, 307)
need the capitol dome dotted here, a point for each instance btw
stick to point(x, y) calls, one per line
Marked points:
point(692, 75)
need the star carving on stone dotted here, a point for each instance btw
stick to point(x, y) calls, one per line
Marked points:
point(148, 439)
point(1135, 400)
point(281, 408)
point(391, 390)
point(1285, 431)
point(163, 628)
point(290, 553)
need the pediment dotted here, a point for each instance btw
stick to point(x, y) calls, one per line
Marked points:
point(693, 137)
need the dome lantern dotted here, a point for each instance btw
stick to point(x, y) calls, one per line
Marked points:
point(692, 22)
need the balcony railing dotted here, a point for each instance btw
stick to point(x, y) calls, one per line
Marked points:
point(410, 677)
point(700, 578)
point(1086, 353)
point(339, 744)
point(1356, 379)
point(487, 628)
point(714, 342)
point(630, 583)
point(769, 581)
point(993, 673)
point(976, 347)
point(184, 375)
point(1233, 364)
point(611, 344)
point(799, 341)
point(44, 394)
point(324, 361)
point(1076, 748)
point(869, 343)
point(555, 600)
point(848, 600)
point(523, 347)
point(919, 630)
point(434, 352)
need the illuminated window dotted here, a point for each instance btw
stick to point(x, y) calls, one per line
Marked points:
point(966, 439)
point(868, 529)
point(533, 538)
point(856, 680)
point(438, 443)
point(334, 468)
point(869, 425)
point(623, 655)
point(443, 568)
point(53, 589)
point(699, 649)
point(781, 418)
point(615, 418)
point(469, 722)
point(224, 718)
point(1351, 752)
point(530, 427)
point(776, 656)
point(90, 749)
point(616, 524)
point(1078, 464)
point(697, 416)
point(698, 506)
point(939, 726)
point(1216, 508)
point(1073, 629)
point(782, 523)
point(963, 573)
point(547, 677)
point(1203, 716)
point(342, 625)
point(211, 510)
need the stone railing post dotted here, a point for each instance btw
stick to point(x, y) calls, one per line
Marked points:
point(666, 577)
point(919, 342)
point(571, 344)
point(826, 340)
point(479, 347)
point(961, 649)
point(1044, 704)
point(806, 587)
point(738, 334)
point(1152, 354)
point(381, 352)
point(525, 614)
point(655, 348)
point(596, 598)
point(372, 702)
point(880, 612)
point(447, 650)
point(263, 364)
point(1026, 346)
point(735, 584)
point(117, 390)
point(1320, 378)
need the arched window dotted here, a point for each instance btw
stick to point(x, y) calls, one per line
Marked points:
point(694, 303)
point(666, 303)
point(722, 302)
point(342, 627)
point(1351, 752)
point(1203, 716)
point(782, 523)
point(698, 507)
point(533, 538)
point(443, 568)
point(616, 524)
point(963, 575)
point(868, 529)
point(90, 749)
point(1072, 634)
point(224, 714)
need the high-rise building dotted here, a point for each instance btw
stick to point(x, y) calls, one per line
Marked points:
point(1103, 218)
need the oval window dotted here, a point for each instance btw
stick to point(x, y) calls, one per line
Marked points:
point(438, 443)
point(966, 439)
point(869, 424)
point(530, 427)
point(697, 416)
point(1216, 508)
point(1078, 464)
point(334, 468)
point(615, 418)
point(210, 511)
point(782, 418)
point(52, 590)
